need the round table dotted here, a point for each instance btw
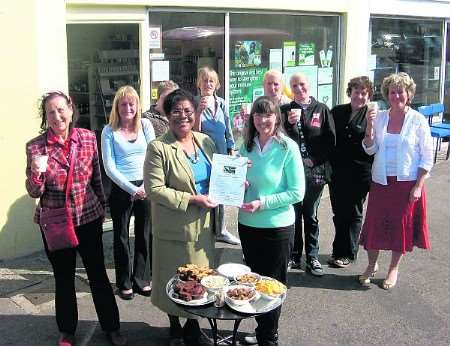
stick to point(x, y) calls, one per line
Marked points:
point(213, 314)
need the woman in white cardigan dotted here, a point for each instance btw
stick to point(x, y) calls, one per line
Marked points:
point(401, 141)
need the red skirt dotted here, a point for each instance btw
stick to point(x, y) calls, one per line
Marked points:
point(392, 222)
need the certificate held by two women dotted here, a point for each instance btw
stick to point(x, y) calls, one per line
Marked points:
point(227, 182)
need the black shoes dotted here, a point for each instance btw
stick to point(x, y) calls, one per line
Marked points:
point(116, 339)
point(125, 294)
point(146, 291)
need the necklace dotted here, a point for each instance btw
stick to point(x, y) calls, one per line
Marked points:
point(194, 159)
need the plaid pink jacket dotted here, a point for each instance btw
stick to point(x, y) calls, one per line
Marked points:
point(86, 194)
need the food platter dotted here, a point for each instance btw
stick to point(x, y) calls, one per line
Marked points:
point(259, 305)
point(206, 299)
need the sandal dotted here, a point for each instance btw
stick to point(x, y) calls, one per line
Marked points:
point(365, 280)
point(387, 285)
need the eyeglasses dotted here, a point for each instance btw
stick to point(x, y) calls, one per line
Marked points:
point(179, 112)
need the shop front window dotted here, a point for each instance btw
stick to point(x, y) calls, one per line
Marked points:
point(190, 40)
point(288, 43)
point(411, 46)
point(446, 114)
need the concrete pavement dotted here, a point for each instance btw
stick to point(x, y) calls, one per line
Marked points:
point(332, 310)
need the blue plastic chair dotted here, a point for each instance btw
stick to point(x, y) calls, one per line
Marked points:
point(427, 111)
point(439, 133)
point(439, 108)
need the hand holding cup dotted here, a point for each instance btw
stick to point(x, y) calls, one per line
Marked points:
point(203, 104)
point(294, 115)
point(39, 164)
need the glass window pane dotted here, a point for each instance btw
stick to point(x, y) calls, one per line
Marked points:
point(289, 43)
point(190, 40)
point(447, 79)
point(411, 46)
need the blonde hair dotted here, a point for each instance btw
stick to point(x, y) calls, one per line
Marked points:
point(207, 73)
point(274, 73)
point(114, 118)
point(398, 80)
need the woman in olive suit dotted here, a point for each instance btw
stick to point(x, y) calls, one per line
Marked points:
point(176, 178)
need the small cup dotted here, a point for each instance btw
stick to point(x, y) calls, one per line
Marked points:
point(298, 113)
point(42, 162)
point(247, 108)
point(372, 105)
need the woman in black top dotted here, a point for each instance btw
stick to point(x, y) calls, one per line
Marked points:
point(351, 171)
point(315, 135)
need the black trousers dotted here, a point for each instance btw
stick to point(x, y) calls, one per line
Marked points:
point(266, 252)
point(63, 262)
point(306, 221)
point(347, 195)
point(129, 271)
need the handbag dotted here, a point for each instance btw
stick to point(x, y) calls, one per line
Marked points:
point(318, 175)
point(56, 223)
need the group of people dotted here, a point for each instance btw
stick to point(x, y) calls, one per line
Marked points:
point(160, 163)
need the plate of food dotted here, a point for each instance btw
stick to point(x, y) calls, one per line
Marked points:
point(239, 295)
point(231, 270)
point(248, 278)
point(190, 293)
point(213, 283)
point(270, 288)
point(193, 272)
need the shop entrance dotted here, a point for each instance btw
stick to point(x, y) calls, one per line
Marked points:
point(102, 58)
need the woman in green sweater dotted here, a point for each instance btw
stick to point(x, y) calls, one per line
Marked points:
point(266, 219)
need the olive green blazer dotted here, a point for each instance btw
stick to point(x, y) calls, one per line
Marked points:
point(169, 183)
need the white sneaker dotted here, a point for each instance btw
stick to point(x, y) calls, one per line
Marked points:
point(227, 237)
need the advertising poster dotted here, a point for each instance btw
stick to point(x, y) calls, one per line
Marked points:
point(306, 53)
point(309, 71)
point(276, 59)
point(289, 53)
point(325, 75)
point(325, 94)
point(247, 53)
point(245, 85)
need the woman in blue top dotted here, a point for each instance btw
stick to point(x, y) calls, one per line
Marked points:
point(124, 144)
point(213, 120)
point(266, 219)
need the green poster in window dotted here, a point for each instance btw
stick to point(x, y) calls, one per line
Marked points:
point(306, 53)
point(289, 53)
point(246, 85)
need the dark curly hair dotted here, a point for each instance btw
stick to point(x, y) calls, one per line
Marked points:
point(360, 82)
point(177, 96)
point(49, 96)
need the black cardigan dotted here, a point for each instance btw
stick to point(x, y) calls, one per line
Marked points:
point(320, 139)
point(349, 154)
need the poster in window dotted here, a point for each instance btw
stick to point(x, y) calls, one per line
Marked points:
point(325, 94)
point(276, 59)
point(289, 53)
point(306, 53)
point(309, 71)
point(245, 85)
point(247, 54)
point(325, 75)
